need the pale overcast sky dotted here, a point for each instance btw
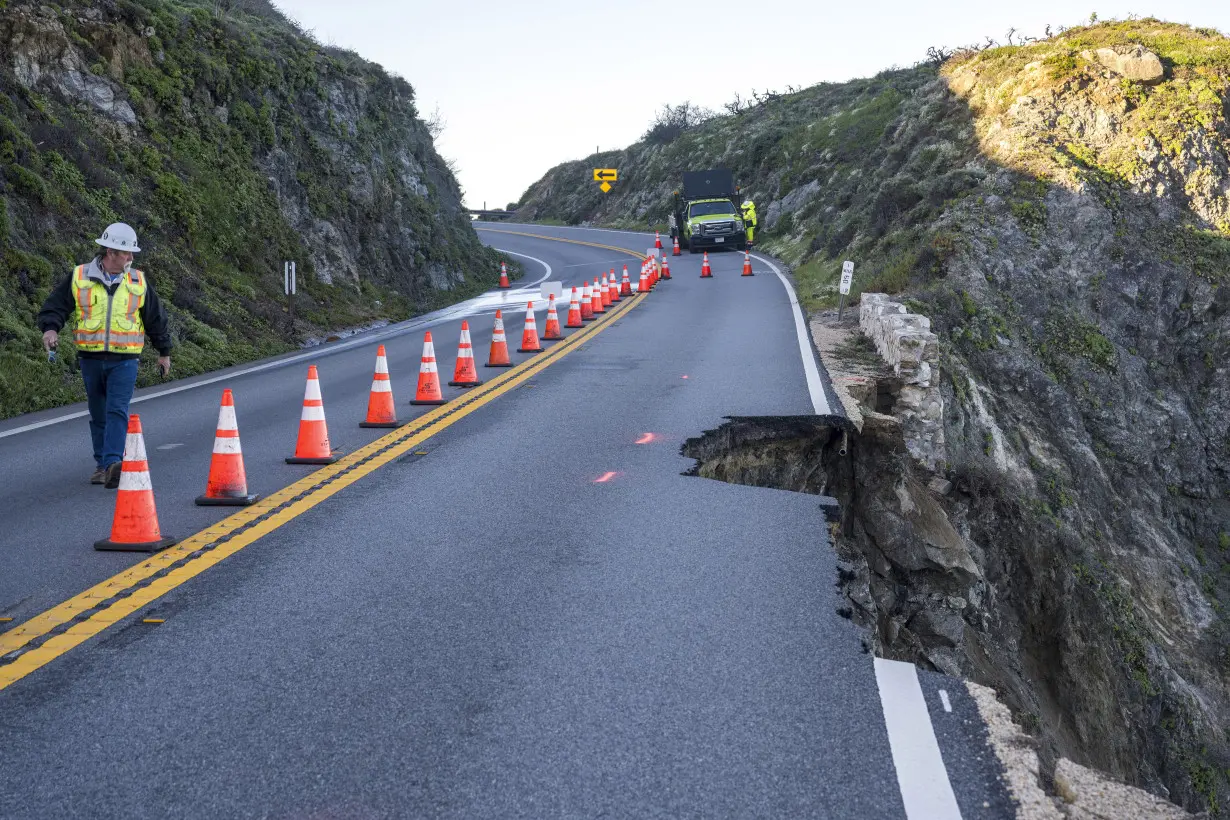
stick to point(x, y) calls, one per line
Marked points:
point(523, 86)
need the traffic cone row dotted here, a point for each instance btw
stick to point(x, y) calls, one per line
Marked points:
point(551, 332)
point(228, 482)
point(134, 527)
point(465, 373)
point(380, 409)
point(135, 521)
point(576, 315)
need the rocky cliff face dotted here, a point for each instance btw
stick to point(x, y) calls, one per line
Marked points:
point(1059, 212)
point(232, 142)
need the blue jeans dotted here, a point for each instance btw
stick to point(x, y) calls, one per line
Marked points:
point(108, 389)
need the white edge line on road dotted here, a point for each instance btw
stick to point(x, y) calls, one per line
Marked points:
point(445, 315)
point(814, 385)
point(545, 276)
point(921, 775)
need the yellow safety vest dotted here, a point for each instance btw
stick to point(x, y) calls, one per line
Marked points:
point(109, 322)
point(749, 214)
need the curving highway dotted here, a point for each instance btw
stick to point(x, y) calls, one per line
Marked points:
point(516, 605)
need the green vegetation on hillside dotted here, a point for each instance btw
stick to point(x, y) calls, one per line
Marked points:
point(247, 132)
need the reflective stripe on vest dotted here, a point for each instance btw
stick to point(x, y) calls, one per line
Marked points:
point(109, 322)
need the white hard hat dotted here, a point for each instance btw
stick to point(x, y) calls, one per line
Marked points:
point(746, 202)
point(120, 237)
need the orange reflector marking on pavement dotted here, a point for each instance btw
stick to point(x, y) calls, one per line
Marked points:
point(646, 438)
point(5, 620)
point(604, 478)
point(153, 620)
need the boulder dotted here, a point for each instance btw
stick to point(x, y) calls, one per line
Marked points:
point(1134, 62)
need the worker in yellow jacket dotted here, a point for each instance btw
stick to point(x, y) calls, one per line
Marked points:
point(749, 220)
point(114, 306)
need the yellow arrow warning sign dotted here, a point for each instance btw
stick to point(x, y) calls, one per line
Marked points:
point(605, 175)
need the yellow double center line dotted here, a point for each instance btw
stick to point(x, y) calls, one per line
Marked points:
point(46, 636)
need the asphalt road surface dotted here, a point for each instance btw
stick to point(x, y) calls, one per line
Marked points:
point(532, 613)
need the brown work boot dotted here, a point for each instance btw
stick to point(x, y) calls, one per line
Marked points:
point(99, 476)
point(113, 475)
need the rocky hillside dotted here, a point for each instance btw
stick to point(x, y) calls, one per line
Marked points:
point(1061, 212)
point(232, 142)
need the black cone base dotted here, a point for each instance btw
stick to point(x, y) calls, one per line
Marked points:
point(107, 545)
point(325, 460)
point(227, 501)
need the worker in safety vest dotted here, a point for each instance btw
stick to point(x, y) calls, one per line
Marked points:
point(749, 220)
point(113, 306)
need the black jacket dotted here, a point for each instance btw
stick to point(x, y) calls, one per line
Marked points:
point(61, 304)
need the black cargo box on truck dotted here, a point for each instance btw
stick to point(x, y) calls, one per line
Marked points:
point(716, 183)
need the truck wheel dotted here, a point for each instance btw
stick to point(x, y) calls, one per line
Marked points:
point(691, 246)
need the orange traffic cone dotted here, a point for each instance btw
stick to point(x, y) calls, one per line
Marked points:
point(653, 272)
point(134, 528)
point(380, 409)
point(666, 269)
point(606, 291)
point(312, 446)
point(499, 345)
point(625, 287)
point(614, 288)
point(551, 332)
point(529, 336)
point(643, 285)
point(574, 311)
point(228, 483)
point(587, 304)
point(428, 391)
point(706, 272)
point(596, 299)
point(657, 239)
point(676, 251)
point(504, 283)
point(747, 264)
point(465, 374)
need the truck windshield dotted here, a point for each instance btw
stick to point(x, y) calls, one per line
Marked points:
point(710, 208)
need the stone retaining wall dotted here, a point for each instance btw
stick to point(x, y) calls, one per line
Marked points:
point(905, 341)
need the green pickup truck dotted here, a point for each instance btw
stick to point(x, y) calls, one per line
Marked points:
point(706, 214)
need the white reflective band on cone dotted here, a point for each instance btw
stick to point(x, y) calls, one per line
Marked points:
point(381, 386)
point(134, 447)
point(429, 350)
point(381, 365)
point(428, 367)
point(135, 481)
point(313, 412)
point(313, 390)
point(226, 418)
point(227, 446)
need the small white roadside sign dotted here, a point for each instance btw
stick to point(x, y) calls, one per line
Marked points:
point(847, 277)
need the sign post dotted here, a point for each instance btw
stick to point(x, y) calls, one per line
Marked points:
point(289, 287)
point(606, 176)
point(847, 277)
